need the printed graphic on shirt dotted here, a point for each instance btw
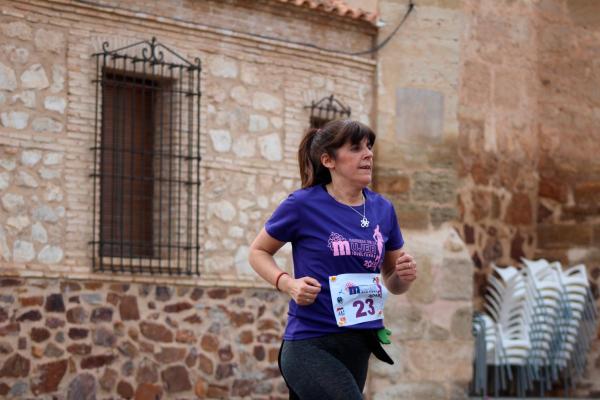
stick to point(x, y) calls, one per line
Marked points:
point(370, 251)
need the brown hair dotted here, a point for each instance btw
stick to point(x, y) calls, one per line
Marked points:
point(328, 139)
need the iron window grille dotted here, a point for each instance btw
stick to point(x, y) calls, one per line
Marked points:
point(327, 109)
point(146, 176)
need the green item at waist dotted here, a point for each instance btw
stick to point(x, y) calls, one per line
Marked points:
point(383, 335)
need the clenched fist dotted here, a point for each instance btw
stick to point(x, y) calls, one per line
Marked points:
point(406, 267)
point(303, 290)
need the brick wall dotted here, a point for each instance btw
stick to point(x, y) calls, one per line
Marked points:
point(65, 329)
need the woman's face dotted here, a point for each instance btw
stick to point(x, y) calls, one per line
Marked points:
point(353, 164)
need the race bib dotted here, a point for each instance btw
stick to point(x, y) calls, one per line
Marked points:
point(357, 298)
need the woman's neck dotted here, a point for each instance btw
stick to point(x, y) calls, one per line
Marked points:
point(347, 195)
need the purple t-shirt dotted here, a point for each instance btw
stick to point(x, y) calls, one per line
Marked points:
point(327, 239)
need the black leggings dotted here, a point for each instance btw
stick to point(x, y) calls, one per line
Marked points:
point(328, 367)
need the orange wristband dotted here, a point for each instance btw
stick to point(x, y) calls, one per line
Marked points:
point(277, 280)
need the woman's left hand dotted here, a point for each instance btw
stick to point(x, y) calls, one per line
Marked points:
point(406, 267)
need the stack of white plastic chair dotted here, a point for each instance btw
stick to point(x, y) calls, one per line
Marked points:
point(564, 320)
point(479, 382)
point(577, 324)
point(546, 299)
point(538, 325)
point(507, 326)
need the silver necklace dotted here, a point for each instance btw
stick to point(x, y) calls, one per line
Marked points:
point(364, 222)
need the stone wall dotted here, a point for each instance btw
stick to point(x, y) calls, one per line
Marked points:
point(486, 120)
point(77, 339)
point(569, 167)
point(33, 99)
point(528, 139)
point(252, 118)
point(432, 343)
point(65, 330)
point(498, 144)
point(416, 163)
point(568, 212)
point(416, 112)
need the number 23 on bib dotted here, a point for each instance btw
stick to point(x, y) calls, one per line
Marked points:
point(357, 298)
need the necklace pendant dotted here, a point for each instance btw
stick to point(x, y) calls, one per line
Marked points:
point(364, 222)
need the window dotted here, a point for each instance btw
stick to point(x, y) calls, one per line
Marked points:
point(146, 162)
point(325, 110)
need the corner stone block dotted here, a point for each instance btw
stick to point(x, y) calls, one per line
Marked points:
point(419, 113)
point(563, 235)
point(460, 325)
point(392, 185)
point(439, 215)
point(596, 236)
point(406, 323)
point(456, 280)
point(442, 361)
point(422, 289)
point(438, 187)
point(519, 211)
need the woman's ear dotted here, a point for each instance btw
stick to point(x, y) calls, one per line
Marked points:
point(327, 161)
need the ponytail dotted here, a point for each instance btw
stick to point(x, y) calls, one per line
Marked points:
point(305, 162)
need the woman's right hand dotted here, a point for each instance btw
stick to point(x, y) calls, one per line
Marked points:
point(303, 290)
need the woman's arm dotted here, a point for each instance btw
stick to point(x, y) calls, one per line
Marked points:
point(303, 290)
point(399, 271)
